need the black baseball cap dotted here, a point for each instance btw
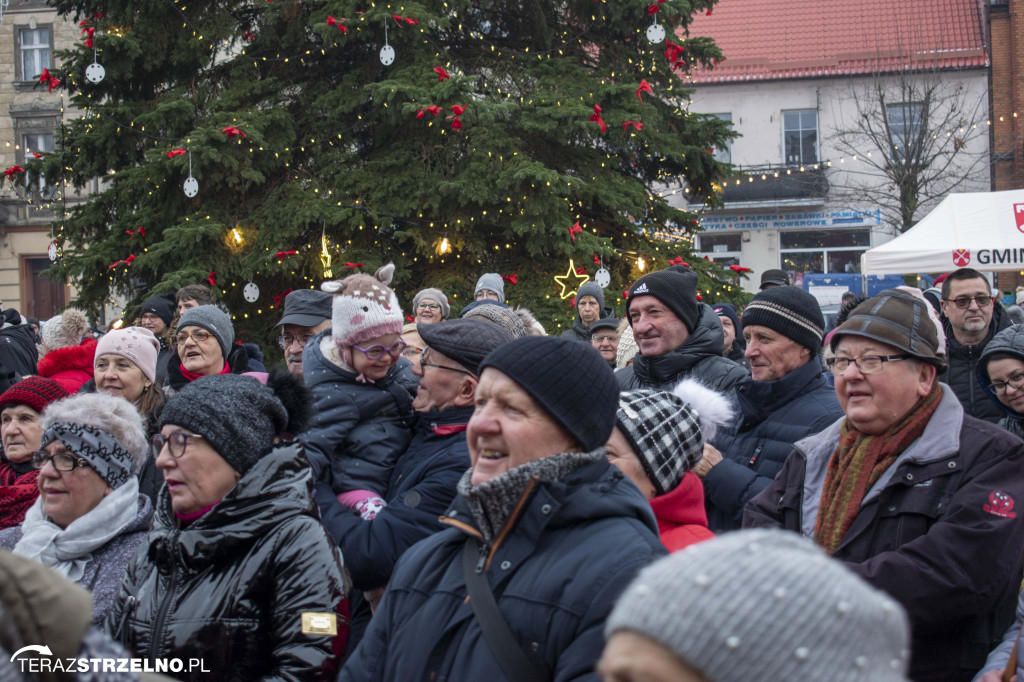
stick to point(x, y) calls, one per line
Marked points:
point(306, 308)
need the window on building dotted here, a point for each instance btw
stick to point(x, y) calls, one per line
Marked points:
point(823, 251)
point(800, 137)
point(724, 249)
point(37, 143)
point(905, 120)
point(723, 153)
point(34, 49)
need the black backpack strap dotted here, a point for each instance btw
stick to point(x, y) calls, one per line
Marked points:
point(495, 629)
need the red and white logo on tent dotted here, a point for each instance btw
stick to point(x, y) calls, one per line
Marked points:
point(961, 257)
point(1018, 215)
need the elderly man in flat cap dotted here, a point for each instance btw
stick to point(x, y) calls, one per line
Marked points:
point(908, 490)
point(425, 476)
point(307, 312)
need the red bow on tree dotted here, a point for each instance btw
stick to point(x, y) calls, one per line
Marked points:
point(597, 261)
point(212, 278)
point(441, 73)
point(36, 155)
point(625, 294)
point(574, 229)
point(280, 297)
point(738, 268)
point(175, 152)
point(626, 124)
point(232, 131)
point(280, 255)
point(331, 21)
point(644, 87)
point(51, 81)
point(131, 233)
point(353, 265)
point(126, 261)
point(409, 318)
point(673, 51)
point(581, 271)
point(434, 109)
point(709, 13)
point(653, 9)
point(458, 111)
point(678, 260)
point(12, 170)
point(512, 279)
point(572, 301)
point(89, 33)
point(248, 36)
point(419, 114)
point(596, 118)
point(408, 20)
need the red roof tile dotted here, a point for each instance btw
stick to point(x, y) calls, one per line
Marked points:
point(770, 40)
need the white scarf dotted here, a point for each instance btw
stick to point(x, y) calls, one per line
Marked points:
point(67, 551)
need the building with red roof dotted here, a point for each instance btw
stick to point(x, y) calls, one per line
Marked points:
point(798, 81)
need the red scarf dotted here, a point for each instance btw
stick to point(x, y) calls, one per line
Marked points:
point(192, 376)
point(857, 464)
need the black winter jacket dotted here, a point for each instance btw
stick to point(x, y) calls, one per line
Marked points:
point(773, 416)
point(962, 373)
point(237, 359)
point(421, 489)
point(938, 532)
point(18, 352)
point(241, 586)
point(359, 429)
point(699, 358)
point(555, 571)
point(163, 357)
point(580, 333)
point(1009, 341)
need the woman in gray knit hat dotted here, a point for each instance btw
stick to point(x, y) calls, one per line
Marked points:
point(204, 346)
point(237, 570)
point(754, 605)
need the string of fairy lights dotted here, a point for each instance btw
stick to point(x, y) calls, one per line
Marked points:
point(444, 247)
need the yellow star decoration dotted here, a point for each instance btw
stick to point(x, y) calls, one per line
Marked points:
point(563, 280)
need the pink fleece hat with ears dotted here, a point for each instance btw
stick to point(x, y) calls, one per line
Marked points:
point(134, 343)
point(364, 308)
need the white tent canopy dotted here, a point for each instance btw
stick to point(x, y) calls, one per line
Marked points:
point(981, 230)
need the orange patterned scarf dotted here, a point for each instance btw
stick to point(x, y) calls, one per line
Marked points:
point(858, 462)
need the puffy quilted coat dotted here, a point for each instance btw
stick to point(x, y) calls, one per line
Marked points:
point(682, 520)
point(359, 429)
point(773, 415)
point(699, 358)
point(556, 569)
point(71, 366)
point(939, 532)
point(1009, 341)
point(236, 586)
point(962, 373)
point(422, 488)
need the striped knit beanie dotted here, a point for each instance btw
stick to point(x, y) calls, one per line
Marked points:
point(790, 311)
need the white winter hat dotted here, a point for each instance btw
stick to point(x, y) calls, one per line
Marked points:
point(64, 330)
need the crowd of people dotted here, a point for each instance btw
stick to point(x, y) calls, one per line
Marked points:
point(688, 492)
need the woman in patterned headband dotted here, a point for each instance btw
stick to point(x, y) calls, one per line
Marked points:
point(89, 518)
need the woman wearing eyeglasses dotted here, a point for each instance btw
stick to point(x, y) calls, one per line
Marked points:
point(363, 389)
point(1001, 373)
point(204, 343)
point(89, 518)
point(430, 306)
point(237, 571)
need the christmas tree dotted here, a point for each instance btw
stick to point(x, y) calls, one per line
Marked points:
point(530, 138)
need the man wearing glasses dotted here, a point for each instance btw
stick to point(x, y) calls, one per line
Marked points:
point(972, 318)
point(909, 492)
point(307, 312)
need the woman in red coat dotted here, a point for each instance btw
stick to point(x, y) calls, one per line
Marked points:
point(658, 438)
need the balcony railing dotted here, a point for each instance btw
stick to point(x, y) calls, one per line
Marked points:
point(774, 183)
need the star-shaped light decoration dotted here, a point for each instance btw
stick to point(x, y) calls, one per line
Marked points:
point(565, 281)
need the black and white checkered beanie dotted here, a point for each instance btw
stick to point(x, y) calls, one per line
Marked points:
point(664, 432)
